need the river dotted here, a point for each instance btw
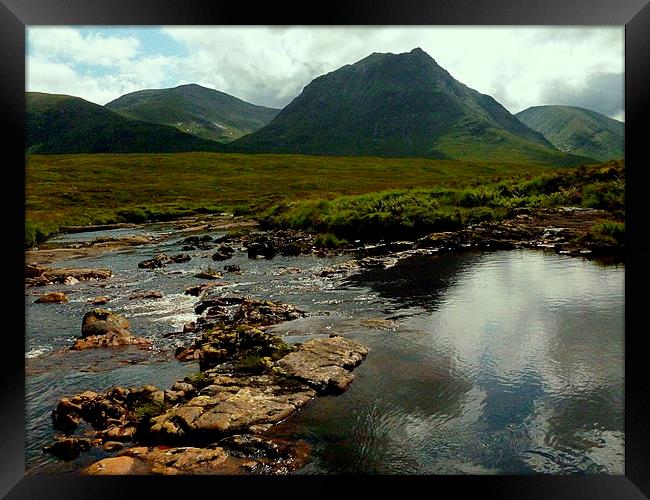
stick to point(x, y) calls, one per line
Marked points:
point(508, 362)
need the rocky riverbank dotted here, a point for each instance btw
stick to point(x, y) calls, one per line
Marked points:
point(213, 420)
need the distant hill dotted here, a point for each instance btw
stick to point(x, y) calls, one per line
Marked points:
point(61, 124)
point(578, 130)
point(400, 105)
point(197, 110)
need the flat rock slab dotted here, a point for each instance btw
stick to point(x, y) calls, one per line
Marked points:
point(233, 404)
point(324, 364)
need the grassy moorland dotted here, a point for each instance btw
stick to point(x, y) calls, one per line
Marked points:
point(82, 189)
point(408, 213)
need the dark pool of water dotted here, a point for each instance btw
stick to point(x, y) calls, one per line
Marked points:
point(494, 363)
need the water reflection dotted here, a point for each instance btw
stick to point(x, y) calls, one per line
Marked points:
point(513, 365)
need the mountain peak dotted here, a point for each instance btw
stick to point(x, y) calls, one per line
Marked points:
point(398, 105)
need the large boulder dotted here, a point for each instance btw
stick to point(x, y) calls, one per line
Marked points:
point(102, 321)
point(103, 328)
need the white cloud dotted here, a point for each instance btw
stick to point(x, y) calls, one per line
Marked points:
point(62, 43)
point(270, 65)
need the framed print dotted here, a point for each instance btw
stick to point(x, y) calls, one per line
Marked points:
point(266, 247)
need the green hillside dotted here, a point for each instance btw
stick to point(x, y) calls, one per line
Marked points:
point(400, 105)
point(196, 110)
point(61, 124)
point(577, 130)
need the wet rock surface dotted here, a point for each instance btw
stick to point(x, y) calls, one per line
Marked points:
point(324, 364)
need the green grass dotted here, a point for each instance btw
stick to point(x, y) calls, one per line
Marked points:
point(408, 213)
point(83, 189)
point(608, 232)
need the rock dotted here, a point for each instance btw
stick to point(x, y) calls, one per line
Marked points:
point(151, 294)
point(113, 446)
point(224, 252)
point(324, 364)
point(209, 275)
point(245, 346)
point(227, 300)
point(103, 321)
point(240, 404)
point(157, 262)
point(183, 386)
point(81, 274)
point(34, 270)
point(263, 248)
point(327, 271)
point(180, 258)
point(38, 281)
point(187, 248)
point(232, 268)
point(69, 448)
point(52, 298)
point(197, 290)
point(110, 340)
point(115, 466)
point(186, 354)
point(70, 280)
point(119, 433)
point(99, 301)
point(189, 327)
point(379, 324)
point(103, 328)
point(234, 455)
point(264, 313)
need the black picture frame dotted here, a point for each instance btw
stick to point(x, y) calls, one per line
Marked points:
point(634, 14)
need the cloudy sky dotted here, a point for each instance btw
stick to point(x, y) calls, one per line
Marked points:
point(518, 66)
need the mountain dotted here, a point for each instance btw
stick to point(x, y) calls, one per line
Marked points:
point(399, 105)
point(61, 124)
point(578, 130)
point(196, 110)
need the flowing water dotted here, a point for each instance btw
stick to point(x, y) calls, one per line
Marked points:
point(480, 363)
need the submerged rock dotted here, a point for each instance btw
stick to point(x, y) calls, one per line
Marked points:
point(99, 301)
point(52, 298)
point(151, 294)
point(69, 448)
point(209, 275)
